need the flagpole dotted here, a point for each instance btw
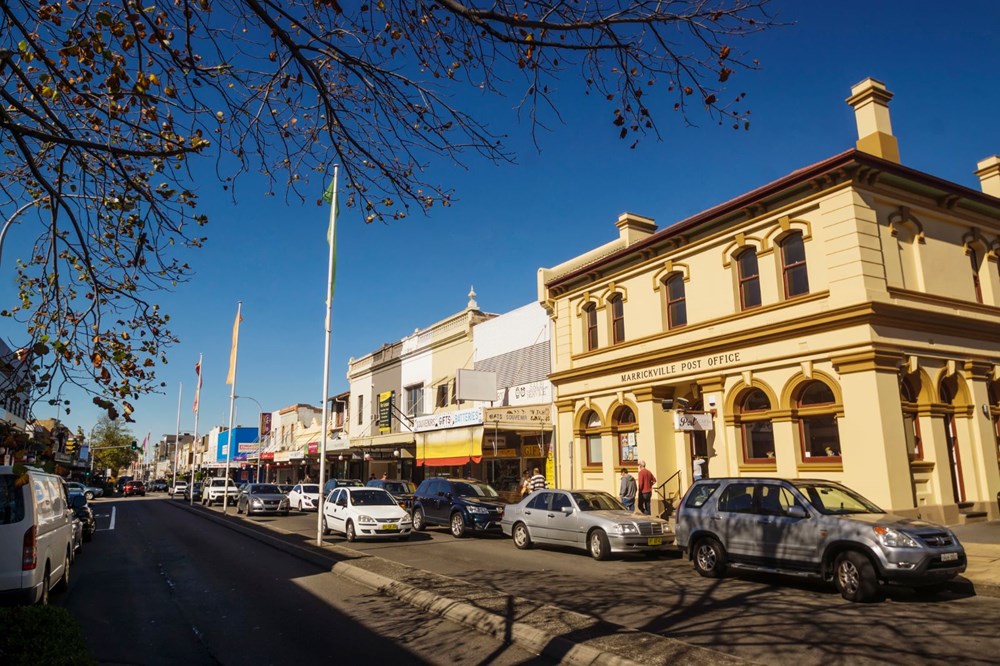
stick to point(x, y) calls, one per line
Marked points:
point(332, 243)
point(197, 408)
point(177, 434)
point(232, 400)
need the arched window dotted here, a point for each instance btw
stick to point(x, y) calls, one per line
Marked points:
point(590, 326)
point(617, 319)
point(816, 412)
point(908, 393)
point(974, 258)
point(754, 416)
point(592, 438)
point(793, 266)
point(994, 392)
point(676, 301)
point(626, 434)
point(749, 276)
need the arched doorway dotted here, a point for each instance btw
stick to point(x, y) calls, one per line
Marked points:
point(948, 391)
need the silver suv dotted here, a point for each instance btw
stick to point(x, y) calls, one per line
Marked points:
point(812, 528)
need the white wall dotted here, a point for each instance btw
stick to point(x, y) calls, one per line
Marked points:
point(517, 329)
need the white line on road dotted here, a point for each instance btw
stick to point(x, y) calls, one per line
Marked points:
point(112, 525)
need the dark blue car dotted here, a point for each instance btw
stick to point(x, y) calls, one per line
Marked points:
point(464, 505)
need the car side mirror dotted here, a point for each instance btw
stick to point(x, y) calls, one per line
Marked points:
point(796, 511)
point(567, 510)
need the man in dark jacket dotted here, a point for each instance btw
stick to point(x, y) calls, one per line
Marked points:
point(627, 490)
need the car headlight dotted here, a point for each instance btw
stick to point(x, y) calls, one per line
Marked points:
point(257, 502)
point(406, 519)
point(477, 509)
point(627, 528)
point(366, 519)
point(891, 538)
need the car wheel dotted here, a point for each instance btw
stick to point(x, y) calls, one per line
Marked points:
point(351, 535)
point(300, 506)
point(239, 508)
point(43, 600)
point(457, 525)
point(598, 545)
point(521, 537)
point(709, 558)
point(855, 577)
point(418, 520)
point(63, 583)
point(326, 530)
point(89, 495)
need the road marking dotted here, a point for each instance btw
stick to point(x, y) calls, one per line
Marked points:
point(112, 525)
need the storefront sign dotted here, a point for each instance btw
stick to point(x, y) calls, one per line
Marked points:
point(313, 448)
point(533, 393)
point(540, 416)
point(385, 411)
point(267, 455)
point(462, 417)
point(500, 453)
point(296, 455)
point(532, 451)
point(265, 424)
point(680, 367)
point(690, 421)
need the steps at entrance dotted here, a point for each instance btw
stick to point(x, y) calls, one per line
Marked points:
point(967, 513)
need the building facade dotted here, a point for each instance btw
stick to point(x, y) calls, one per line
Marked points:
point(842, 322)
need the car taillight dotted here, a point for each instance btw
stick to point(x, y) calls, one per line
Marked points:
point(29, 551)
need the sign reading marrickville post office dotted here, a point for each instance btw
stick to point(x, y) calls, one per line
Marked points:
point(679, 367)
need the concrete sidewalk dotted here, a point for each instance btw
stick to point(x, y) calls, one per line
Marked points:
point(982, 548)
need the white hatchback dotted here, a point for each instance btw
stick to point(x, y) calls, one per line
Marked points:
point(304, 496)
point(365, 513)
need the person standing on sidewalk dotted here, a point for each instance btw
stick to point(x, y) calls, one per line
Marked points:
point(645, 486)
point(537, 480)
point(626, 490)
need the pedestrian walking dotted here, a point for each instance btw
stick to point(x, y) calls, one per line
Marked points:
point(627, 490)
point(645, 487)
point(538, 480)
point(525, 487)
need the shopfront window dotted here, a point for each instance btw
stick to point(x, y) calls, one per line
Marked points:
point(626, 431)
point(592, 439)
point(816, 413)
point(754, 416)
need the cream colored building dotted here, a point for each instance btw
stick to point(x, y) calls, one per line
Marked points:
point(842, 322)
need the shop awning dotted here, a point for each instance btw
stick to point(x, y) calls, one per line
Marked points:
point(388, 439)
point(455, 446)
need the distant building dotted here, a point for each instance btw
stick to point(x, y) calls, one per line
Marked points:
point(842, 322)
point(15, 388)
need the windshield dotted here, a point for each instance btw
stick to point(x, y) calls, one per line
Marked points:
point(371, 497)
point(265, 489)
point(398, 487)
point(597, 501)
point(314, 489)
point(465, 489)
point(833, 499)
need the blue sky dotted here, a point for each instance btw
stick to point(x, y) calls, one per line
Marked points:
point(940, 60)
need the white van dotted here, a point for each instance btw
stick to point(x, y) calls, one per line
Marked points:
point(36, 535)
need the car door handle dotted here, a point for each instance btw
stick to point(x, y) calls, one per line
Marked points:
point(527, 513)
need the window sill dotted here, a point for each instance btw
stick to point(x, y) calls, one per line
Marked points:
point(823, 466)
point(922, 465)
point(592, 469)
point(754, 466)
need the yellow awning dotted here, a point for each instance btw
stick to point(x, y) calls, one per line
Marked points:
point(454, 446)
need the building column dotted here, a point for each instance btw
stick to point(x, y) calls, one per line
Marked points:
point(568, 448)
point(659, 443)
point(872, 441)
point(982, 470)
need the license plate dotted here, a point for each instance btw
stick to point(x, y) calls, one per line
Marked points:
point(948, 557)
point(388, 527)
point(654, 541)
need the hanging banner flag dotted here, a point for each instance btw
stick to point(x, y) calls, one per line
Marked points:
point(197, 389)
point(231, 377)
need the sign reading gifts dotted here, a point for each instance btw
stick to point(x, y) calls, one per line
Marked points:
point(456, 419)
point(540, 416)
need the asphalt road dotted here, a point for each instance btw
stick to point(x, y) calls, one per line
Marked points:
point(756, 617)
point(163, 586)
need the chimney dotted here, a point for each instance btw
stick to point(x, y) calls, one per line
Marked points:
point(633, 228)
point(870, 100)
point(989, 175)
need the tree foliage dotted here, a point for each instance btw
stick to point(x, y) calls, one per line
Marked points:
point(111, 445)
point(107, 103)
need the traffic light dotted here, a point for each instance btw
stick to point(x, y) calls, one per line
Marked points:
point(135, 446)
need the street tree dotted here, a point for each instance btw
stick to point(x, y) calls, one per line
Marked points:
point(111, 445)
point(112, 111)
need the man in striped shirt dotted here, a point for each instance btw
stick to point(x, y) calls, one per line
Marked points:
point(537, 480)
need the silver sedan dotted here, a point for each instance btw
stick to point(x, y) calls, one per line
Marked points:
point(588, 519)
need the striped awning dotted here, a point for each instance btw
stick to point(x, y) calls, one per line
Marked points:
point(446, 448)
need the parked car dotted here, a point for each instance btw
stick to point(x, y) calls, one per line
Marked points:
point(401, 490)
point(341, 483)
point(462, 504)
point(179, 487)
point(134, 487)
point(36, 535)
point(120, 483)
point(261, 498)
point(215, 491)
point(304, 496)
point(820, 529)
point(285, 487)
point(90, 492)
point(81, 508)
point(158, 486)
point(588, 519)
point(360, 512)
point(196, 490)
